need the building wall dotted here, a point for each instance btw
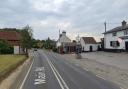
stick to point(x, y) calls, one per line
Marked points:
point(86, 47)
point(16, 49)
point(109, 37)
point(63, 39)
point(21, 50)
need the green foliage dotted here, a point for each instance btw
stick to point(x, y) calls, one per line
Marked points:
point(54, 49)
point(26, 40)
point(50, 45)
point(10, 29)
point(37, 43)
point(5, 48)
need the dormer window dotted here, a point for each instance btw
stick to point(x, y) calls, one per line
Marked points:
point(126, 32)
point(114, 33)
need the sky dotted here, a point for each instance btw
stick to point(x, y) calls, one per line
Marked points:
point(76, 17)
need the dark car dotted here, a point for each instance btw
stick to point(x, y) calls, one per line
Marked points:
point(35, 49)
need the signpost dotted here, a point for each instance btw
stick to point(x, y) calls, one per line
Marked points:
point(59, 45)
point(78, 48)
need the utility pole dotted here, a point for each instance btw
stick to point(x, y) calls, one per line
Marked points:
point(105, 26)
point(59, 34)
point(104, 35)
point(59, 44)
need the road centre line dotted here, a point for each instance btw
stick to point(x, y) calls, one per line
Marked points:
point(26, 75)
point(57, 75)
point(65, 85)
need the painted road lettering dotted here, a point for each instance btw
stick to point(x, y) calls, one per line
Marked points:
point(40, 76)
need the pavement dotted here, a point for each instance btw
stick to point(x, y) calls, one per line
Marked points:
point(49, 70)
point(119, 60)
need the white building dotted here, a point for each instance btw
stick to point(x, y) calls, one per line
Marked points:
point(88, 44)
point(117, 38)
point(63, 39)
point(65, 45)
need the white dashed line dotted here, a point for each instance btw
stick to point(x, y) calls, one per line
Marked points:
point(26, 75)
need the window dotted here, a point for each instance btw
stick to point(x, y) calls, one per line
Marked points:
point(118, 44)
point(110, 43)
point(114, 43)
point(114, 33)
point(126, 32)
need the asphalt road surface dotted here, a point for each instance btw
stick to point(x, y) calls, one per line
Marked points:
point(50, 71)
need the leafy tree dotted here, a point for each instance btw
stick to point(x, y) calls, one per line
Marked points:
point(50, 44)
point(27, 36)
point(37, 43)
point(5, 48)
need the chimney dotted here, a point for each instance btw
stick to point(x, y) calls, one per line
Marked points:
point(64, 33)
point(60, 35)
point(124, 23)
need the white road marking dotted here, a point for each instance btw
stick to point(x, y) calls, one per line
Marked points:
point(85, 69)
point(39, 81)
point(39, 69)
point(57, 75)
point(65, 85)
point(61, 85)
point(100, 77)
point(40, 77)
point(26, 75)
point(121, 88)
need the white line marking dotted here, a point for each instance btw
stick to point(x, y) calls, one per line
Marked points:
point(100, 77)
point(60, 77)
point(40, 77)
point(26, 75)
point(39, 81)
point(56, 73)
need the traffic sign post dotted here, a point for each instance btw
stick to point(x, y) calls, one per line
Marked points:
point(78, 48)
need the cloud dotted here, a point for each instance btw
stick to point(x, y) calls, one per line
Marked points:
point(47, 5)
point(46, 17)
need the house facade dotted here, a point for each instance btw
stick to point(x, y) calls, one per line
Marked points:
point(65, 45)
point(116, 39)
point(88, 44)
point(13, 38)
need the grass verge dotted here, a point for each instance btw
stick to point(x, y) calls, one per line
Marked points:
point(8, 63)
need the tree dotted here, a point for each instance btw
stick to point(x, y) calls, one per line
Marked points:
point(27, 36)
point(36, 43)
point(50, 44)
point(5, 48)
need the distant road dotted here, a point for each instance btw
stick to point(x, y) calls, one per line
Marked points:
point(50, 71)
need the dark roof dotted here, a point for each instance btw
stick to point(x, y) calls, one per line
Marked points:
point(119, 28)
point(124, 37)
point(9, 35)
point(89, 40)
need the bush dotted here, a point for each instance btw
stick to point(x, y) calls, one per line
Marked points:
point(5, 48)
point(54, 49)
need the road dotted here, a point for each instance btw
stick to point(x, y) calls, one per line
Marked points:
point(49, 70)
